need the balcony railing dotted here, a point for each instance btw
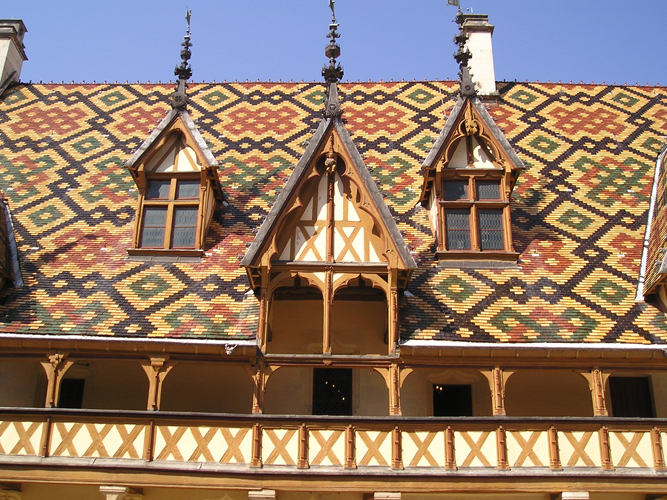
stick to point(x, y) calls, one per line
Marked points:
point(347, 445)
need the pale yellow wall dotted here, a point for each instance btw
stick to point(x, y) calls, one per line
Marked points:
point(296, 327)
point(111, 384)
point(417, 390)
point(659, 384)
point(41, 491)
point(22, 383)
point(207, 387)
point(547, 393)
point(358, 327)
point(370, 394)
point(289, 392)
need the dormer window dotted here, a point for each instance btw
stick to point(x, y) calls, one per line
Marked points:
point(469, 176)
point(169, 218)
point(179, 189)
point(474, 215)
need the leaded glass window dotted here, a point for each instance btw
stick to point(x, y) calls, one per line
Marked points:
point(491, 235)
point(458, 229)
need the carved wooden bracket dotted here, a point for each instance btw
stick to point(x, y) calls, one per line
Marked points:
point(55, 368)
point(157, 368)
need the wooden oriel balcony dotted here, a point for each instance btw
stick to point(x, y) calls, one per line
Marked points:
point(333, 445)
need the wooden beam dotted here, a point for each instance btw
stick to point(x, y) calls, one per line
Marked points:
point(392, 310)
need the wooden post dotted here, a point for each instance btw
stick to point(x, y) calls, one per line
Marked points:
point(303, 447)
point(263, 319)
point(150, 440)
point(256, 460)
point(497, 377)
point(395, 389)
point(392, 311)
point(658, 457)
point(600, 403)
point(46, 437)
point(350, 460)
point(605, 452)
point(397, 452)
point(156, 369)
point(450, 454)
point(503, 463)
point(328, 305)
point(258, 387)
point(554, 451)
point(55, 368)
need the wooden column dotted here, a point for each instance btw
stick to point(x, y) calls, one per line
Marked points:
point(350, 448)
point(156, 369)
point(303, 447)
point(596, 383)
point(450, 455)
point(658, 457)
point(263, 321)
point(392, 311)
point(256, 459)
point(328, 305)
point(497, 378)
point(397, 449)
point(330, 165)
point(503, 463)
point(605, 451)
point(554, 451)
point(55, 368)
point(258, 387)
point(395, 389)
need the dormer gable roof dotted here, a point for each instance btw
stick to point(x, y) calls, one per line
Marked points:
point(489, 130)
point(328, 127)
point(176, 120)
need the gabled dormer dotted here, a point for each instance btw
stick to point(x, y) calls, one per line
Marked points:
point(469, 175)
point(177, 179)
point(329, 262)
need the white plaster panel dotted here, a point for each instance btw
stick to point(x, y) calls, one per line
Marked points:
point(435, 456)
point(622, 457)
point(540, 449)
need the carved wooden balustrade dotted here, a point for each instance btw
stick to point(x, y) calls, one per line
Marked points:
point(349, 445)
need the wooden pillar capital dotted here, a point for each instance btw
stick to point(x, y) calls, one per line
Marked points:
point(120, 493)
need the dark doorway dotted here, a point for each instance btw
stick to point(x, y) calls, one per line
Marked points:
point(71, 393)
point(631, 397)
point(452, 400)
point(332, 391)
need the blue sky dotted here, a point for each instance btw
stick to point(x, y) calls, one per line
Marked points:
point(590, 40)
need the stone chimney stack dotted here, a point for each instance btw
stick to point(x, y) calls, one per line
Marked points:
point(479, 32)
point(12, 51)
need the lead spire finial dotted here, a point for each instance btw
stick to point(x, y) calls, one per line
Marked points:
point(334, 72)
point(462, 56)
point(179, 99)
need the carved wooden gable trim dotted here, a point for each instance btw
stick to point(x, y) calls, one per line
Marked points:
point(332, 218)
point(329, 213)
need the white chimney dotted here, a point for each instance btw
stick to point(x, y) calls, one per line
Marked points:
point(12, 51)
point(479, 32)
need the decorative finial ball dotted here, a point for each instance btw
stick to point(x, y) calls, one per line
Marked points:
point(332, 51)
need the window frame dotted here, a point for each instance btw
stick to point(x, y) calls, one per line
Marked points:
point(171, 203)
point(472, 176)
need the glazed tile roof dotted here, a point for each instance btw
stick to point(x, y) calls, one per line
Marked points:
point(579, 209)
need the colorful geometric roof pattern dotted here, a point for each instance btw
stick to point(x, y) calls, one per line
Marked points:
point(579, 209)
